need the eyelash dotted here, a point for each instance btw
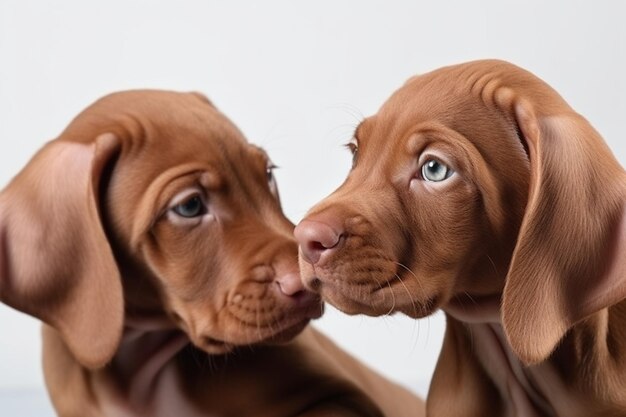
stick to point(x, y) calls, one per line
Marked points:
point(354, 150)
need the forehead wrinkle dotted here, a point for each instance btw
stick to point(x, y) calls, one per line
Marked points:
point(146, 210)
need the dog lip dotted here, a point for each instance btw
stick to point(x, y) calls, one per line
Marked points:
point(214, 346)
point(293, 327)
point(350, 305)
point(317, 310)
point(213, 341)
point(373, 302)
point(310, 310)
point(286, 334)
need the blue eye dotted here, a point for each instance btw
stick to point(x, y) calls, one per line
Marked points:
point(192, 207)
point(435, 171)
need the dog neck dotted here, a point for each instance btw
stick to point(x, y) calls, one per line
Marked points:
point(143, 369)
point(545, 389)
point(481, 316)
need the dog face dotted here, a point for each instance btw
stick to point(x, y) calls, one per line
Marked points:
point(474, 187)
point(206, 220)
point(163, 209)
point(426, 205)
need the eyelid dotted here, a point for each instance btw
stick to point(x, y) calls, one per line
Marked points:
point(184, 195)
point(428, 154)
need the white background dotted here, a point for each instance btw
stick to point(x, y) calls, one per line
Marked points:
point(296, 77)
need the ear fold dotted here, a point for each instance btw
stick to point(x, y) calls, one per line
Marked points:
point(55, 260)
point(570, 257)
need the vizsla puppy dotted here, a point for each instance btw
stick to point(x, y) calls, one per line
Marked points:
point(476, 189)
point(149, 238)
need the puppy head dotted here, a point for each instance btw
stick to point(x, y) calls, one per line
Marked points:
point(473, 184)
point(196, 209)
point(152, 202)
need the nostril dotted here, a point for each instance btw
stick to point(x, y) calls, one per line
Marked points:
point(316, 246)
point(315, 238)
point(312, 251)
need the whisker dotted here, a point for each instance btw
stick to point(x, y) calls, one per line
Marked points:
point(470, 297)
point(421, 288)
point(495, 269)
point(245, 330)
point(349, 128)
point(258, 323)
point(351, 110)
point(427, 329)
point(409, 294)
point(419, 284)
point(380, 287)
point(414, 305)
point(208, 363)
point(393, 297)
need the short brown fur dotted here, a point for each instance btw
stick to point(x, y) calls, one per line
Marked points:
point(523, 247)
point(149, 313)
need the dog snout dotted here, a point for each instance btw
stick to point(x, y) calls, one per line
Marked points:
point(290, 284)
point(317, 237)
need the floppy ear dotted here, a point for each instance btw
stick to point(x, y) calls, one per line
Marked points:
point(570, 257)
point(202, 98)
point(55, 261)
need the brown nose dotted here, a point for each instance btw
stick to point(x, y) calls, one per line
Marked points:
point(316, 237)
point(291, 285)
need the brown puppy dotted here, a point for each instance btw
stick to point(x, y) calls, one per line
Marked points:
point(476, 189)
point(151, 223)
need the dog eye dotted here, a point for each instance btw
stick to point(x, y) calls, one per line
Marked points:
point(435, 171)
point(271, 180)
point(192, 207)
point(269, 172)
point(354, 149)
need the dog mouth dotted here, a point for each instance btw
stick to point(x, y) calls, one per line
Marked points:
point(374, 298)
point(292, 324)
point(215, 346)
point(270, 331)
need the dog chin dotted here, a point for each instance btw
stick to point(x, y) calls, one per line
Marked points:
point(417, 311)
point(383, 305)
point(294, 324)
point(280, 336)
point(351, 306)
point(214, 346)
point(286, 335)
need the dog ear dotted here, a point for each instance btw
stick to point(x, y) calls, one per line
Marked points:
point(202, 98)
point(55, 260)
point(570, 258)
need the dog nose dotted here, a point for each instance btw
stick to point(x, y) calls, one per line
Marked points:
point(315, 238)
point(291, 285)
